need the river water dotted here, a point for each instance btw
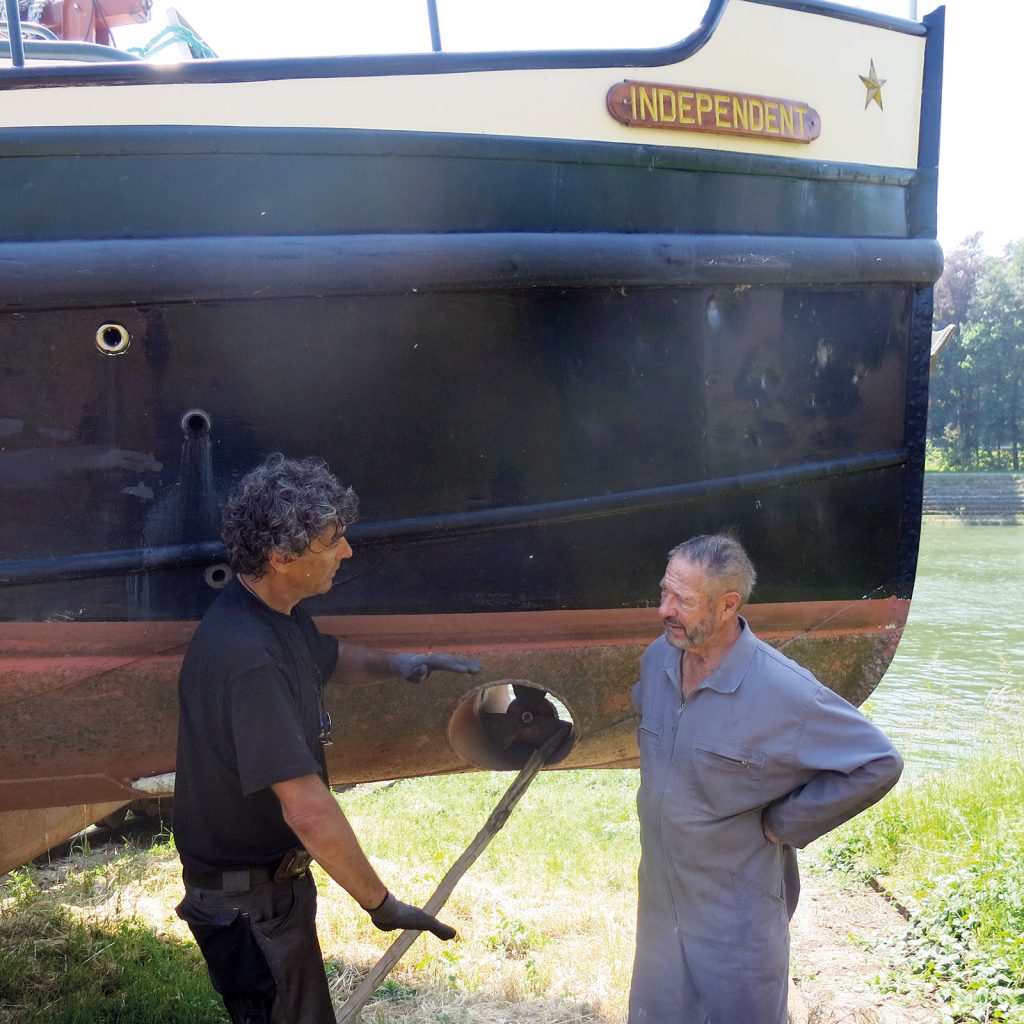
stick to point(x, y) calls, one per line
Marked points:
point(956, 685)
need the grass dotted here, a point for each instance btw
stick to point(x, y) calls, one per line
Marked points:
point(946, 458)
point(951, 847)
point(559, 878)
point(98, 944)
point(95, 940)
point(545, 917)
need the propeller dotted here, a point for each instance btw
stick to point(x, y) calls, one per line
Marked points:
point(530, 720)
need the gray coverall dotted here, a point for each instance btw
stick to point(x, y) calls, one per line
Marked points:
point(759, 736)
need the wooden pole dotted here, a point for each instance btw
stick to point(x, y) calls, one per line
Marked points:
point(348, 1013)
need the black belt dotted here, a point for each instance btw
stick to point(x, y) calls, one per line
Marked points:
point(294, 864)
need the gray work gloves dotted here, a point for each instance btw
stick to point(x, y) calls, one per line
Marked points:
point(414, 668)
point(392, 914)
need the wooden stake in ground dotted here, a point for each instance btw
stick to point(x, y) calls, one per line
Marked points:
point(348, 1013)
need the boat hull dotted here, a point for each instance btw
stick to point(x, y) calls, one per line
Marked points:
point(543, 347)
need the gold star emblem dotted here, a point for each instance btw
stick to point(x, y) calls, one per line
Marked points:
point(873, 84)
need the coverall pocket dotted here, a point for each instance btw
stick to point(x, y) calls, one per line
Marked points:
point(761, 919)
point(726, 778)
point(647, 739)
point(237, 965)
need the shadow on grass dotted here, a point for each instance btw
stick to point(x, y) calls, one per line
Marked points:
point(57, 969)
point(124, 829)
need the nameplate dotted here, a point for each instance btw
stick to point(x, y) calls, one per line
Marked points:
point(692, 109)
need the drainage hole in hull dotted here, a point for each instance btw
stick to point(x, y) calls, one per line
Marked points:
point(218, 576)
point(196, 423)
point(113, 339)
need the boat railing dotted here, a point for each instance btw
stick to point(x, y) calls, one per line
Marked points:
point(50, 50)
point(32, 29)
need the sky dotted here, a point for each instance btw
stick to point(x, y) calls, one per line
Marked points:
point(981, 141)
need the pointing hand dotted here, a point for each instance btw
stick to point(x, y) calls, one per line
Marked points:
point(414, 668)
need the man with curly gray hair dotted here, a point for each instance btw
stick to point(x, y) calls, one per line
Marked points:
point(253, 805)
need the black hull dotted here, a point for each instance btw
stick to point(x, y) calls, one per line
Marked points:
point(532, 418)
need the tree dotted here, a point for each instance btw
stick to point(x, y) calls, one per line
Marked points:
point(954, 291)
point(993, 343)
point(955, 409)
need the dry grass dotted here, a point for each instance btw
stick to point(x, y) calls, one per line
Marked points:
point(545, 917)
point(830, 1015)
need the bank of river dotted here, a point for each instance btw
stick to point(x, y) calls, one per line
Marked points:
point(949, 844)
point(959, 670)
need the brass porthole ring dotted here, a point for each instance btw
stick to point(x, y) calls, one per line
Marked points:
point(113, 339)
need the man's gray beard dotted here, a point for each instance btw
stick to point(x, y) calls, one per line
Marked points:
point(691, 638)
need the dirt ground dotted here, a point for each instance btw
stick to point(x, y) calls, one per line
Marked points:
point(843, 935)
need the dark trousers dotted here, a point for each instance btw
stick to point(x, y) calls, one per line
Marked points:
point(262, 951)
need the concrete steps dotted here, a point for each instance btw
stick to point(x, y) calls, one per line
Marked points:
point(974, 495)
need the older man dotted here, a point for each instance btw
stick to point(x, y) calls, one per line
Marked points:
point(744, 755)
point(252, 803)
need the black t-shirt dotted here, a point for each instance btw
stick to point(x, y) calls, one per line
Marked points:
point(249, 698)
